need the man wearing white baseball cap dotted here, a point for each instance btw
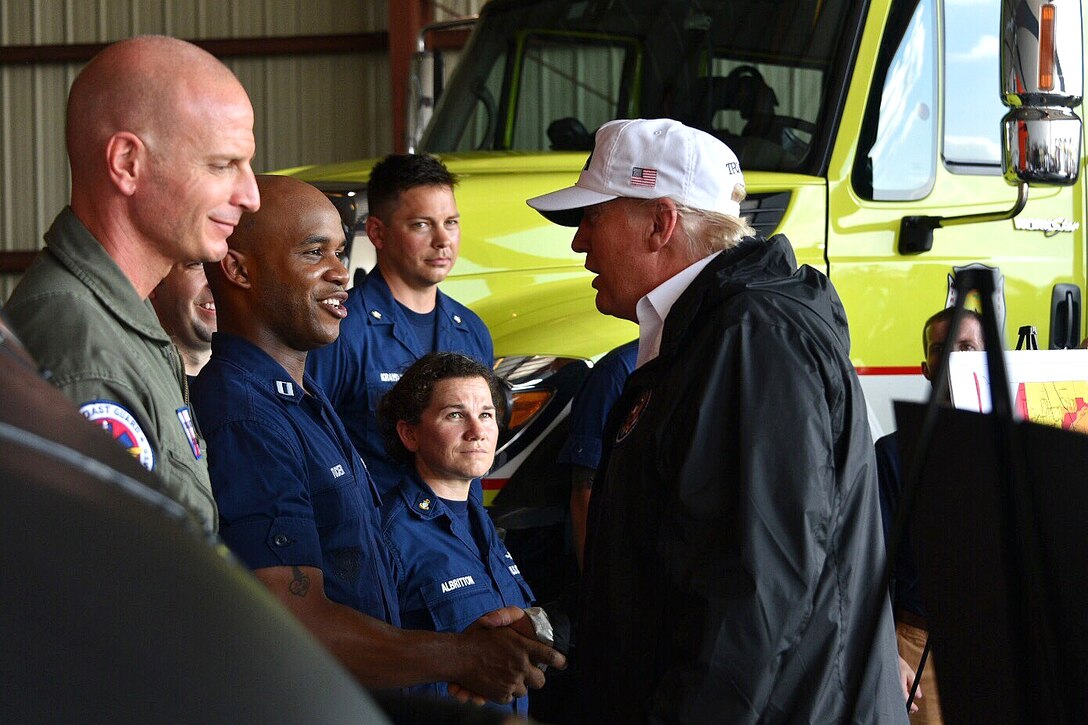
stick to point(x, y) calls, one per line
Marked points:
point(734, 554)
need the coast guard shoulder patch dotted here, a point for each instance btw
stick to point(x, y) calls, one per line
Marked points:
point(633, 416)
point(116, 420)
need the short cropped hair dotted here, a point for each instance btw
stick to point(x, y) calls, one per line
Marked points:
point(945, 315)
point(412, 394)
point(397, 173)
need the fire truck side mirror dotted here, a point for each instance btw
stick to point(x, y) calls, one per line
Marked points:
point(1042, 81)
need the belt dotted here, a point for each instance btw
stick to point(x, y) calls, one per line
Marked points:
point(914, 620)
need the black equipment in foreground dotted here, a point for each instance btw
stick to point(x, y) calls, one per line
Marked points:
point(998, 512)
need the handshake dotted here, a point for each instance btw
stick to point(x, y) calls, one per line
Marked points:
point(515, 646)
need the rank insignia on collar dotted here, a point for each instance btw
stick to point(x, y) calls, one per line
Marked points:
point(285, 388)
point(425, 504)
point(633, 416)
point(457, 319)
point(375, 314)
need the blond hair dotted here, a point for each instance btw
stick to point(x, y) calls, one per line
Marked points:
point(707, 232)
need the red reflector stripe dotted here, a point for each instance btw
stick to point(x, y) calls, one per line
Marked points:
point(493, 484)
point(909, 370)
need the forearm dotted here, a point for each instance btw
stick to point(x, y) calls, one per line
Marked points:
point(497, 664)
point(580, 489)
point(379, 655)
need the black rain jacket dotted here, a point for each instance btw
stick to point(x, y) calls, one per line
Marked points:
point(735, 547)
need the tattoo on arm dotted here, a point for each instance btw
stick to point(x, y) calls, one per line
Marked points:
point(300, 583)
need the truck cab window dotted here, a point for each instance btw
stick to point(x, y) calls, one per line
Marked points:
point(567, 77)
point(972, 110)
point(765, 112)
point(476, 101)
point(897, 147)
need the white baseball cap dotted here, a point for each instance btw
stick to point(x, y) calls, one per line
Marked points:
point(649, 159)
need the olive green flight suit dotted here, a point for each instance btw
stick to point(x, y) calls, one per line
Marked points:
point(82, 319)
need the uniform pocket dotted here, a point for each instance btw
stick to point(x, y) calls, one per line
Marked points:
point(184, 482)
point(374, 393)
point(458, 601)
point(336, 501)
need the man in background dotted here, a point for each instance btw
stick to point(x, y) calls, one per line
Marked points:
point(398, 314)
point(588, 414)
point(911, 628)
point(185, 308)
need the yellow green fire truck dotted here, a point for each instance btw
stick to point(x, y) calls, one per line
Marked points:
point(872, 133)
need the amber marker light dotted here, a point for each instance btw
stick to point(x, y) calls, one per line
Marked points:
point(1046, 47)
point(526, 405)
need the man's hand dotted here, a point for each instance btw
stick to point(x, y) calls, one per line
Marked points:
point(512, 617)
point(906, 679)
point(501, 654)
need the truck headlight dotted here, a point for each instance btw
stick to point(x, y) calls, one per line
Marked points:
point(536, 385)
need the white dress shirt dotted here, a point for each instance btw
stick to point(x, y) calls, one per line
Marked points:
point(654, 307)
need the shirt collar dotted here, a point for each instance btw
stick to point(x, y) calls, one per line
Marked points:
point(380, 305)
point(259, 364)
point(654, 307)
point(73, 245)
point(421, 500)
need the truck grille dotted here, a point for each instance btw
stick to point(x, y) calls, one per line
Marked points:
point(765, 211)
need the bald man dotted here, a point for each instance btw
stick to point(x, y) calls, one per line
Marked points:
point(296, 502)
point(160, 138)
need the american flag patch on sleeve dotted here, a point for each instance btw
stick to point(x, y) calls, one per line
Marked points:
point(643, 177)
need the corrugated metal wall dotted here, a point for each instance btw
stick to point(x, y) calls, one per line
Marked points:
point(446, 9)
point(309, 109)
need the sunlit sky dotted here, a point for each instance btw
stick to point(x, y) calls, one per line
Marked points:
point(973, 88)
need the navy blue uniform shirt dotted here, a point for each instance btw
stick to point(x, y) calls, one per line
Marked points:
point(447, 574)
point(292, 491)
point(377, 343)
point(591, 405)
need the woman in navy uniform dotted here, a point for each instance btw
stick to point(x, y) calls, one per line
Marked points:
point(450, 568)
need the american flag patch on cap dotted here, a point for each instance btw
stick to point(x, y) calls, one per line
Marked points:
point(643, 177)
